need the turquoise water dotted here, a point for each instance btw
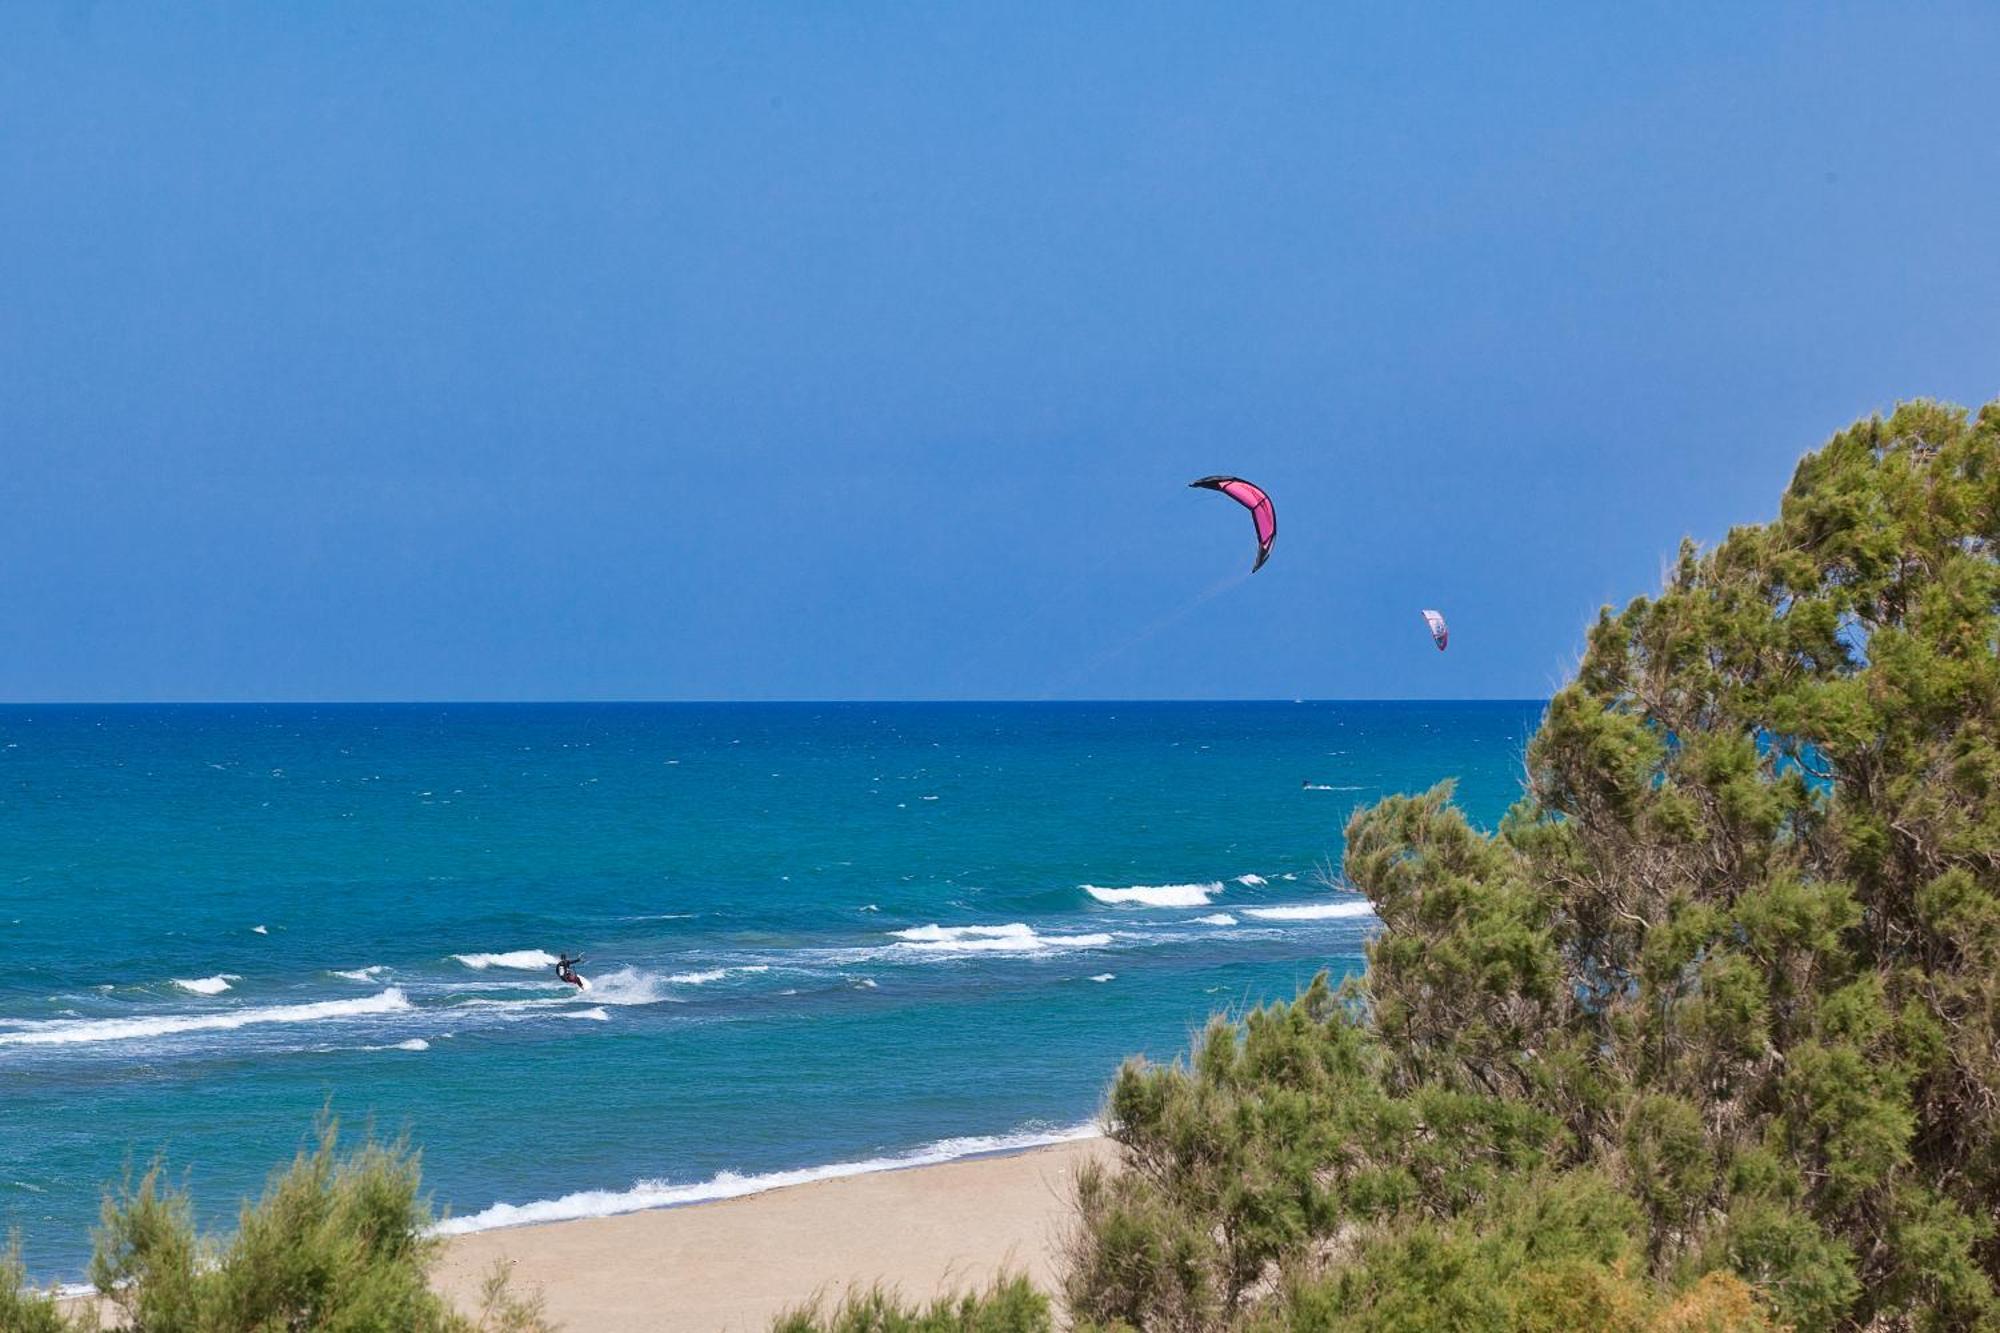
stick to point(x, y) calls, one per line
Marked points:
point(820, 937)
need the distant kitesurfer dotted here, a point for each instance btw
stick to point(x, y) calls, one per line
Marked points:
point(566, 970)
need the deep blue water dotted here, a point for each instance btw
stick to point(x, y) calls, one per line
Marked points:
point(817, 933)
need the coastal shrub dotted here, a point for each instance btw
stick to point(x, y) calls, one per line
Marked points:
point(1706, 1034)
point(1010, 1305)
point(23, 1310)
point(338, 1241)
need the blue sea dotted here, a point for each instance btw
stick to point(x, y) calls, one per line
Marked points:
point(821, 938)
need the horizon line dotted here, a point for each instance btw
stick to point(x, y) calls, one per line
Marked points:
point(718, 702)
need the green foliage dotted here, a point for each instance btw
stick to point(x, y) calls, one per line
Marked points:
point(22, 1310)
point(338, 1243)
point(1010, 1305)
point(1706, 1034)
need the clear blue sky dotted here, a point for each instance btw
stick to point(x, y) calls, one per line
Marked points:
point(454, 351)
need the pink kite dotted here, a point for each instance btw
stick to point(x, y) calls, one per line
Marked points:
point(1259, 505)
point(1440, 632)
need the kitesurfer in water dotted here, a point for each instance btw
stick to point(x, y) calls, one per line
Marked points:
point(566, 970)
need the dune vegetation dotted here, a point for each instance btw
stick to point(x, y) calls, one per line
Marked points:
point(339, 1240)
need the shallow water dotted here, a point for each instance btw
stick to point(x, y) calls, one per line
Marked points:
point(820, 937)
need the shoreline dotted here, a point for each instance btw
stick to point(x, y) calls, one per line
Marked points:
point(652, 1196)
point(735, 1263)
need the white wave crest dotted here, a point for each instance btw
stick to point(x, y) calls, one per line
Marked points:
point(361, 973)
point(1251, 881)
point(73, 1031)
point(214, 985)
point(522, 960)
point(595, 1015)
point(1157, 895)
point(1105, 976)
point(1015, 937)
point(1311, 911)
point(731, 1185)
point(1217, 919)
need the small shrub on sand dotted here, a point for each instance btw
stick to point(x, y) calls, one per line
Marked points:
point(1010, 1305)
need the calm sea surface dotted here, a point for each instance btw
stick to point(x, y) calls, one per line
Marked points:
point(821, 937)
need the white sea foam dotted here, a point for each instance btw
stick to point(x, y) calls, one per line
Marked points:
point(413, 1044)
point(523, 960)
point(714, 974)
point(72, 1031)
point(1105, 976)
point(935, 934)
point(214, 985)
point(627, 986)
point(260, 930)
point(361, 973)
point(1218, 919)
point(595, 1015)
point(1015, 937)
point(1252, 880)
point(731, 1185)
point(1311, 911)
point(1157, 895)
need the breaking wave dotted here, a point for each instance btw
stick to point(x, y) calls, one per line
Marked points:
point(1157, 895)
point(214, 985)
point(647, 1194)
point(1311, 911)
point(73, 1031)
point(523, 960)
point(1217, 919)
point(714, 974)
point(1015, 937)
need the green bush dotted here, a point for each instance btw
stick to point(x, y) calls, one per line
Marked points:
point(338, 1242)
point(1010, 1305)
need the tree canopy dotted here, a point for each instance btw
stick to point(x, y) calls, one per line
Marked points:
point(1705, 1035)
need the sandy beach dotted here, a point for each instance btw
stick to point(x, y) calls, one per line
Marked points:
point(733, 1264)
